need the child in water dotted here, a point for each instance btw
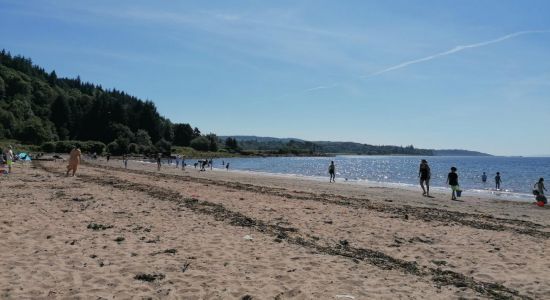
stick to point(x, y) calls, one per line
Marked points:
point(452, 180)
point(497, 181)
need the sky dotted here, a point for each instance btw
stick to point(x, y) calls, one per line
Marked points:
point(434, 74)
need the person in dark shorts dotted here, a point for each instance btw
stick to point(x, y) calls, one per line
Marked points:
point(332, 172)
point(484, 177)
point(452, 180)
point(424, 173)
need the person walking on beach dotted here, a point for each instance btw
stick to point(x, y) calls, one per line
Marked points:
point(211, 164)
point(159, 155)
point(227, 166)
point(484, 178)
point(424, 173)
point(74, 160)
point(108, 156)
point(177, 161)
point(498, 181)
point(8, 153)
point(332, 172)
point(125, 161)
point(182, 163)
point(452, 180)
point(539, 186)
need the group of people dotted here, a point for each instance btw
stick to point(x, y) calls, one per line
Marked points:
point(424, 173)
point(179, 159)
point(452, 180)
point(208, 163)
point(202, 164)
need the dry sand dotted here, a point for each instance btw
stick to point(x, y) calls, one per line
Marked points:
point(137, 233)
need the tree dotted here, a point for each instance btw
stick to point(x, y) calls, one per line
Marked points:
point(212, 142)
point(183, 134)
point(60, 114)
point(117, 130)
point(231, 143)
point(143, 139)
point(196, 132)
point(149, 120)
point(122, 143)
point(164, 146)
point(35, 132)
point(113, 148)
point(2, 88)
point(200, 143)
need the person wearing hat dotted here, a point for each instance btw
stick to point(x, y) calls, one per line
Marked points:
point(74, 159)
point(424, 173)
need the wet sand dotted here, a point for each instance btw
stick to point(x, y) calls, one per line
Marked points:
point(115, 233)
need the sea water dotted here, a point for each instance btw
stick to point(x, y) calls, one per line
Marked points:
point(518, 174)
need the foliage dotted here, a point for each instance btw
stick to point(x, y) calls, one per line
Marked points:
point(164, 146)
point(133, 148)
point(200, 143)
point(67, 146)
point(37, 107)
point(231, 143)
point(212, 142)
point(183, 134)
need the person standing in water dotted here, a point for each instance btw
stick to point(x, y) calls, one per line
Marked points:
point(452, 180)
point(484, 178)
point(424, 173)
point(332, 172)
point(227, 166)
point(498, 181)
point(74, 160)
point(539, 186)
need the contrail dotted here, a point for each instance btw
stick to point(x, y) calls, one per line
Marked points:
point(321, 87)
point(455, 50)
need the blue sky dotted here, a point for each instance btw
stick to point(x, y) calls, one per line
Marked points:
point(435, 74)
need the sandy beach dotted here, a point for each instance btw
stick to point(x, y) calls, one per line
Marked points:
point(115, 233)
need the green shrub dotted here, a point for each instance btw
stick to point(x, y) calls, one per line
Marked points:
point(48, 147)
point(200, 143)
point(133, 148)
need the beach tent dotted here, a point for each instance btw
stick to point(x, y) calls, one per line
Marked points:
point(24, 156)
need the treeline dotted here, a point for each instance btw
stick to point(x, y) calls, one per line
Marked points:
point(37, 107)
point(301, 147)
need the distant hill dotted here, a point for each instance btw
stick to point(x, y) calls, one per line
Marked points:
point(298, 146)
point(261, 139)
point(284, 145)
point(458, 153)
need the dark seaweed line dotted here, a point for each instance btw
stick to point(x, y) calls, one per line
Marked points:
point(373, 257)
point(422, 213)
